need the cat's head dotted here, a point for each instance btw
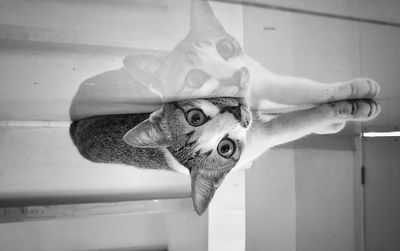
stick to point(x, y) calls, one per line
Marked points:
point(206, 136)
point(208, 62)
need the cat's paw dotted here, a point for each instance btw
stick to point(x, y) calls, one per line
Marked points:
point(354, 110)
point(360, 88)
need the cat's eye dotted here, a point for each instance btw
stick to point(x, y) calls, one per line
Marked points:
point(226, 148)
point(226, 49)
point(196, 117)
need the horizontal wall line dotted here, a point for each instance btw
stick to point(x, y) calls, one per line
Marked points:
point(55, 212)
point(309, 12)
point(16, 123)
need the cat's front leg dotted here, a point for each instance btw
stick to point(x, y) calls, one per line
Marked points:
point(357, 89)
point(296, 91)
point(354, 110)
point(325, 118)
point(350, 110)
point(300, 91)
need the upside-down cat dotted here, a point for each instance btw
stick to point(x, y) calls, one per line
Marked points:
point(215, 118)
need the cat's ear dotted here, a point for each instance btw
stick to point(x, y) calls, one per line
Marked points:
point(143, 67)
point(203, 18)
point(203, 190)
point(148, 133)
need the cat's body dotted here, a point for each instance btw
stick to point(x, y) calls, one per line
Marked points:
point(198, 132)
point(100, 139)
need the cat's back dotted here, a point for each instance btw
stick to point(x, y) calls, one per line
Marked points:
point(100, 139)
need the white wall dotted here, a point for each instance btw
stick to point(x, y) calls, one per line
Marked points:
point(382, 198)
point(326, 50)
point(227, 215)
point(158, 231)
point(301, 199)
point(42, 163)
point(298, 45)
point(271, 202)
point(324, 200)
point(107, 233)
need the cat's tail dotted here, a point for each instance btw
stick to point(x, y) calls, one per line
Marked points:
point(76, 136)
point(72, 131)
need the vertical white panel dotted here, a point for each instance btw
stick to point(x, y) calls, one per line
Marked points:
point(270, 202)
point(382, 194)
point(324, 200)
point(226, 213)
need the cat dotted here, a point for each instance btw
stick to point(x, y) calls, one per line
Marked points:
point(206, 109)
point(200, 137)
point(205, 138)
